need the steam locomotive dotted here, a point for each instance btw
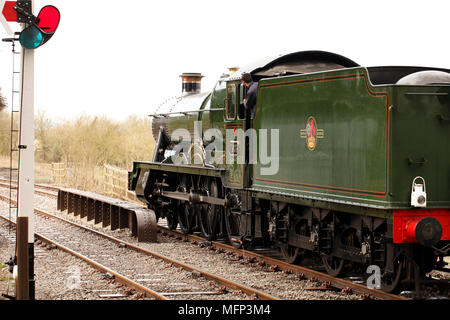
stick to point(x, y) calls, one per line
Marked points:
point(347, 163)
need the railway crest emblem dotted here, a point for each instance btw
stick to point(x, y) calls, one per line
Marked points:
point(311, 133)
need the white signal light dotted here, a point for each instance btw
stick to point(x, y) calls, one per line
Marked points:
point(418, 193)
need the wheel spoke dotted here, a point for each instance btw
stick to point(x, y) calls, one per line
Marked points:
point(390, 281)
point(333, 265)
point(208, 213)
point(185, 211)
point(232, 228)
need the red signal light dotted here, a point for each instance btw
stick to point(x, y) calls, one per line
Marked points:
point(43, 28)
point(48, 19)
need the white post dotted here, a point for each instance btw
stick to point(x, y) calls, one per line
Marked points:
point(25, 206)
point(26, 142)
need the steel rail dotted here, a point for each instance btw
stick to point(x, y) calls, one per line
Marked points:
point(228, 283)
point(335, 282)
point(51, 188)
point(44, 193)
point(117, 276)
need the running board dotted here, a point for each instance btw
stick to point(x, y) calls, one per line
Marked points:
point(115, 213)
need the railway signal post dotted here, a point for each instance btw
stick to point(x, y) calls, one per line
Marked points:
point(35, 32)
point(26, 162)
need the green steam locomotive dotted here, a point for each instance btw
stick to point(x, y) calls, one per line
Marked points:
point(347, 163)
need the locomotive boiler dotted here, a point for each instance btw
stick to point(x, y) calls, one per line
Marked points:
point(347, 163)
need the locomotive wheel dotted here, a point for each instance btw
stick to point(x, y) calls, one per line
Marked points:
point(294, 255)
point(333, 265)
point(185, 214)
point(157, 215)
point(172, 220)
point(208, 214)
point(232, 226)
point(291, 254)
point(390, 281)
point(185, 211)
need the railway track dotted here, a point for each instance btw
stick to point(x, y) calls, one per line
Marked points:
point(58, 235)
point(318, 280)
point(323, 281)
point(66, 271)
point(6, 182)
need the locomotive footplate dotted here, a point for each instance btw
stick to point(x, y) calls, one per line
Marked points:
point(115, 213)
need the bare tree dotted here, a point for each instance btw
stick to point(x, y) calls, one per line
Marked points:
point(2, 102)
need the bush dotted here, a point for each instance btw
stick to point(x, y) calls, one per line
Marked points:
point(5, 133)
point(85, 144)
point(94, 141)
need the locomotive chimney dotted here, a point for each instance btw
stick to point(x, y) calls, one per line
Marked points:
point(191, 82)
point(233, 70)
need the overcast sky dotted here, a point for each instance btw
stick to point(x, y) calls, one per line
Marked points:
point(119, 58)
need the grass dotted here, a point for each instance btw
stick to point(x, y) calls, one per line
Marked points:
point(42, 171)
point(2, 266)
point(4, 161)
point(6, 278)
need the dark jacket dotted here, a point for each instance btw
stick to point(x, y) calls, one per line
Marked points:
point(251, 98)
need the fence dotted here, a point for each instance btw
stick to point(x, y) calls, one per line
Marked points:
point(115, 183)
point(114, 180)
point(59, 172)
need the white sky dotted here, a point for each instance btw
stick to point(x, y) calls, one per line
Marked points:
point(118, 58)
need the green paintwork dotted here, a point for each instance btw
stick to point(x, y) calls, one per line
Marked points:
point(371, 141)
point(353, 163)
point(420, 132)
point(185, 122)
point(235, 170)
point(233, 128)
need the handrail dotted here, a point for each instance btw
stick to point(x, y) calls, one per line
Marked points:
point(164, 115)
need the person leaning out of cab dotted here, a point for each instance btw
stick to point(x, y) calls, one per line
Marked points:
point(252, 90)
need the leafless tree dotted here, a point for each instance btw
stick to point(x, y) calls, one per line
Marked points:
point(2, 102)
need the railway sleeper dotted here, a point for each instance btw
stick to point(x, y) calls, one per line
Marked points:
point(113, 213)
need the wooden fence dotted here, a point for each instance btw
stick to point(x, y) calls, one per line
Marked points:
point(115, 180)
point(115, 183)
point(59, 172)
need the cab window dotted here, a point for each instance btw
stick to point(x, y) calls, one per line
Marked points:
point(230, 102)
point(240, 107)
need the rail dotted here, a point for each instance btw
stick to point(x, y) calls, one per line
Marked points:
point(228, 283)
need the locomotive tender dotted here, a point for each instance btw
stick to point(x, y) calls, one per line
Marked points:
point(359, 163)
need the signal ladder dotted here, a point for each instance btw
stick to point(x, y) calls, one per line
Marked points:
point(14, 158)
point(14, 155)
